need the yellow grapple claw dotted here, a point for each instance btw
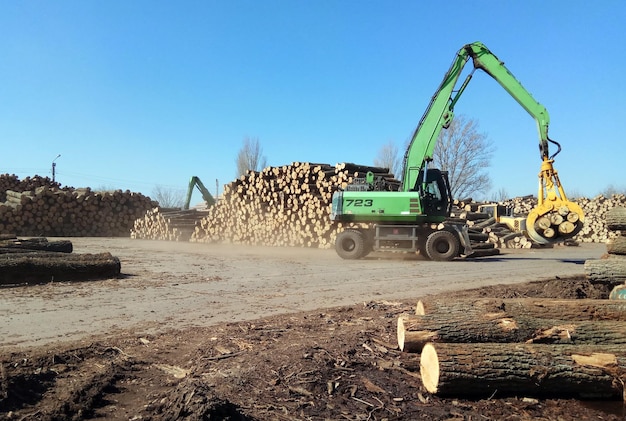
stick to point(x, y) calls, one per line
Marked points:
point(555, 218)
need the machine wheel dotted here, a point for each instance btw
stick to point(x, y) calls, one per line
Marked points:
point(350, 244)
point(442, 245)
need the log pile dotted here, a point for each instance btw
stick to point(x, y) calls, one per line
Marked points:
point(36, 260)
point(595, 229)
point(48, 210)
point(12, 182)
point(290, 206)
point(612, 268)
point(167, 224)
point(525, 346)
point(281, 206)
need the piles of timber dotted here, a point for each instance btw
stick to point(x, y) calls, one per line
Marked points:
point(485, 231)
point(37, 260)
point(167, 224)
point(612, 268)
point(12, 182)
point(281, 206)
point(595, 229)
point(51, 211)
point(512, 347)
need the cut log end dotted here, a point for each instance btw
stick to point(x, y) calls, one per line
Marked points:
point(429, 368)
point(412, 340)
point(419, 308)
point(563, 371)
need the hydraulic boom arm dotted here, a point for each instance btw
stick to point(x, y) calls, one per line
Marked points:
point(439, 115)
point(195, 182)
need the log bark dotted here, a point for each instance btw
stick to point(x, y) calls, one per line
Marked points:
point(616, 218)
point(414, 331)
point(616, 245)
point(53, 267)
point(483, 251)
point(38, 243)
point(608, 271)
point(542, 308)
point(549, 371)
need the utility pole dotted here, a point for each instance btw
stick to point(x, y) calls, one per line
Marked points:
point(217, 189)
point(54, 165)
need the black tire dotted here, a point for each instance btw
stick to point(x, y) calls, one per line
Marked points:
point(616, 219)
point(350, 244)
point(442, 246)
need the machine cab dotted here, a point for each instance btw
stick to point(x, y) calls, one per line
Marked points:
point(434, 190)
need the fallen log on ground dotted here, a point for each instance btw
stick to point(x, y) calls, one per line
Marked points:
point(413, 332)
point(617, 245)
point(484, 252)
point(554, 371)
point(616, 218)
point(610, 271)
point(543, 308)
point(37, 243)
point(54, 267)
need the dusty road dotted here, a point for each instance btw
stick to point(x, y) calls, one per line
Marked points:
point(169, 285)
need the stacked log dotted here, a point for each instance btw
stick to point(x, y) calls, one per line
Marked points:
point(12, 182)
point(612, 268)
point(533, 347)
point(167, 224)
point(51, 211)
point(281, 206)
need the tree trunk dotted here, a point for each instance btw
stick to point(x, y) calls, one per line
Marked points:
point(617, 245)
point(616, 219)
point(498, 327)
point(542, 308)
point(53, 267)
point(609, 271)
point(555, 371)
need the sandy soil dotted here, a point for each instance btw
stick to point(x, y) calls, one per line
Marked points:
point(177, 285)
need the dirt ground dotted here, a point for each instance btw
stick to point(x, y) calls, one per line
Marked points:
point(196, 331)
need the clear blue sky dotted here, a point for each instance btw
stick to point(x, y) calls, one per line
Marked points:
point(135, 94)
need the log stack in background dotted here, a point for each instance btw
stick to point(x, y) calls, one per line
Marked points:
point(12, 182)
point(611, 269)
point(47, 210)
point(595, 229)
point(167, 224)
point(290, 206)
point(280, 206)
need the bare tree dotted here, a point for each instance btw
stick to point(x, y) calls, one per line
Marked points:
point(610, 190)
point(389, 157)
point(168, 197)
point(501, 195)
point(250, 157)
point(465, 154)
